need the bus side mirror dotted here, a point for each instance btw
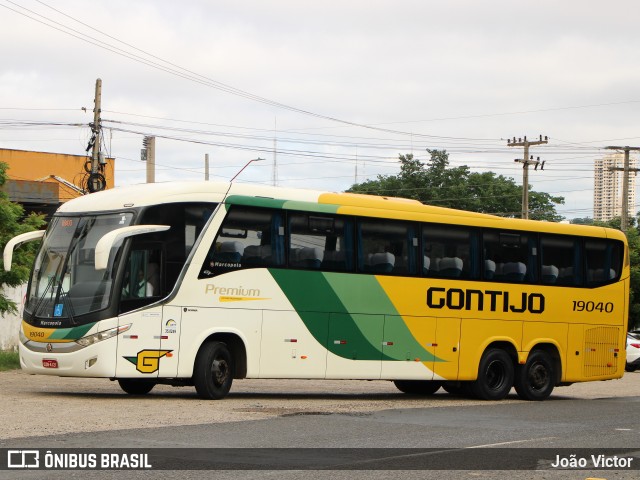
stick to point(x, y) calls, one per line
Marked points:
point(106, 243)
point(7, 256)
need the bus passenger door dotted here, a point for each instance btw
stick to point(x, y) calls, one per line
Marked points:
point(408, 347)
point(447, 349)
point(355, 346)
point(170, 341)
point(139, 353)
point(293, 347)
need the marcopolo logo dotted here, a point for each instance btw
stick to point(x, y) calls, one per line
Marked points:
point(493, 300)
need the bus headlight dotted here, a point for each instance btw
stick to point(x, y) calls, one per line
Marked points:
point(100, 336)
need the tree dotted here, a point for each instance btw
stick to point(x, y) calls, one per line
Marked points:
point(13, 222)
point(436, 183)
point(633, 238)
point(583, 221)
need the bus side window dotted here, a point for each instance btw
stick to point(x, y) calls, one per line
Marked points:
point(388, 247)
point(186, 221)
point(560, 260)
point(141, 283)
point(603, 261)
point(339, 255)
point(307, 237)
point(509, 257)
point(449, 252)
point(248, 238)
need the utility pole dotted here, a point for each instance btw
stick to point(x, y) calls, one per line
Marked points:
point(206, 167)
point(149, 154)
point(526, 161)
point(96, 181)
point(624, 220)
point(274, 173)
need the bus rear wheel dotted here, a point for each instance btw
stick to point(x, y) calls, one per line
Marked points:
point(214, 371)
point(535, 379)
point(418, 387)
point(495, 375)
point(136, 386)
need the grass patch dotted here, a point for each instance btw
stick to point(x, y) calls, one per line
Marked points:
point(9, 361)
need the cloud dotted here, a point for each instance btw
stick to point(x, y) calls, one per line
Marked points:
point(452, 74)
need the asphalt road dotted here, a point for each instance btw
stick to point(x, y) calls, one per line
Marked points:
point(364, 420)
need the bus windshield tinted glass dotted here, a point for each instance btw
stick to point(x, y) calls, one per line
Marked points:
point(64, 282)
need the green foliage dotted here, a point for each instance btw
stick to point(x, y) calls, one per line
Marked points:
point(436, 183)
point(9, 361)
point(583, 221)
point(12, 223)
point(633, 237)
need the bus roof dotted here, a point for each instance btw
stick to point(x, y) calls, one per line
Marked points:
point(143, 195)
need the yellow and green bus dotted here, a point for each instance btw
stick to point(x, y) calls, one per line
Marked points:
point(202, 283)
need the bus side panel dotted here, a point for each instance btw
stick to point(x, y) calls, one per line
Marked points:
point(574, 372)
point(139, 353)
point(447, 348)
point(408, 348)
point(477, 334)
point(198, 324)
point(170, 341)
point(357, 342)
point(536, 333)
point(289, 350)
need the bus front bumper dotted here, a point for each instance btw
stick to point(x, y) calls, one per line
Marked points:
point(69, 359)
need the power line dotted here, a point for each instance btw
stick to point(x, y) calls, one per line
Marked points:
point(176, 70)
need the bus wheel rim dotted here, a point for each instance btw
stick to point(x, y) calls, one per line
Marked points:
point(538, 376)
point(220, 371)
point(495, 375)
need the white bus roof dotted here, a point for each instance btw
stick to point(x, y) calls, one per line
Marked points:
point(172, 192)
point(121, 198)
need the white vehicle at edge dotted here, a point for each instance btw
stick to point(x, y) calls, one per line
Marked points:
point(633, 351)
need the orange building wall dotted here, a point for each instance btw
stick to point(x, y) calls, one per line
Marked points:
point(39, 166)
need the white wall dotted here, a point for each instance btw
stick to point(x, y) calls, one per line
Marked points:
point(10, 323)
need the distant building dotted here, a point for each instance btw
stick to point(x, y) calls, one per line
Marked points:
point(41, 181)
point(607, 191)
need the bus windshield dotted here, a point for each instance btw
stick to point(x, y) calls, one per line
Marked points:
point(64, 283)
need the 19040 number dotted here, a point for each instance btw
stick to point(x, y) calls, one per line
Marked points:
point(582, 306)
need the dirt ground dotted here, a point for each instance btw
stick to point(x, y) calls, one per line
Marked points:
point(62, 405)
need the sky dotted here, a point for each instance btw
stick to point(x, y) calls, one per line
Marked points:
point(327, 93)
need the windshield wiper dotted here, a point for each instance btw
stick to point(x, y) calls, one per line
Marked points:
point(80, 233)
point(44, 294)
point(68, 303)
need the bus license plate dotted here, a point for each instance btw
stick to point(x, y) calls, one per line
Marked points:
point(49, 363)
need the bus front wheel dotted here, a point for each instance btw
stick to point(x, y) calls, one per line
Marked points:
point(136, 386)
point(417, 387)
point(495, 375)
point(535, 379)
point(214, 371)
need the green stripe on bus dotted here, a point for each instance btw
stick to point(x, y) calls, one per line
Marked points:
point(369, 296)
point(315, 301)
point(357, 318)
point(73, 333)
point(281, 204)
